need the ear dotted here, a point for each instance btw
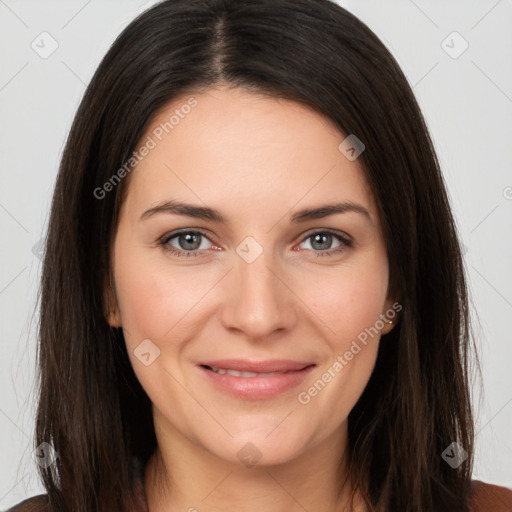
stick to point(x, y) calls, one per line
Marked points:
point(391, 314)
point(111, 308)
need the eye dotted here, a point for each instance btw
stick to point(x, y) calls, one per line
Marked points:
point(321, 242)
point(185, 243)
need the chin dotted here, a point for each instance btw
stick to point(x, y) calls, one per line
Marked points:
point(258, 449)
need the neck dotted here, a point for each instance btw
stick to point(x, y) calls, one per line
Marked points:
point(183, 476)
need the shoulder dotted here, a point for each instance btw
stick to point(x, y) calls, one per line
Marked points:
point(40, 503)
point(489, 498)
point(35, 504)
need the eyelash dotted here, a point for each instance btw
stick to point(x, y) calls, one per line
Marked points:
point(345, 243)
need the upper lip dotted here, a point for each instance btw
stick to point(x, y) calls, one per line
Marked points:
point(268, 366)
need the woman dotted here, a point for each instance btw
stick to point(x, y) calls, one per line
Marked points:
point(253, 294)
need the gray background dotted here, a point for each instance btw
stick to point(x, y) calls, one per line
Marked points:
point(466, 97)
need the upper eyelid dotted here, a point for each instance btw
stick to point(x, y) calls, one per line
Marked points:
point(174, 234)
point(335, 232)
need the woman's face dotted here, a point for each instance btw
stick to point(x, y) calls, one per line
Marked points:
point(283, 286)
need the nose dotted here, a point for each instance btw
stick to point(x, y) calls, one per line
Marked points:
point(258, 302)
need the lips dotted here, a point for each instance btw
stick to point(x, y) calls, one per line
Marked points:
point(255, 379)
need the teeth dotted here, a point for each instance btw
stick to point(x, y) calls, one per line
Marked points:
point(236, 373)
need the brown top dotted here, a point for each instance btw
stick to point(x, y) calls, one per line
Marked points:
point(489, 498)
point(483, 497)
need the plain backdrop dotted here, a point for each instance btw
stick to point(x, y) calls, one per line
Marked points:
point(457, 56)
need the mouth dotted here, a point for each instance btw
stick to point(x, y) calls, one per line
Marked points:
point(255, 380)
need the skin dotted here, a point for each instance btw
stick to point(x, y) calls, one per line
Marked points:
point(257, 160)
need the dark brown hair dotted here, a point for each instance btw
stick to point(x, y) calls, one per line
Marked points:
point(92, 408)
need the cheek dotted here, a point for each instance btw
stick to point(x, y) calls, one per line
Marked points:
point(153, 298)
point(349, 300)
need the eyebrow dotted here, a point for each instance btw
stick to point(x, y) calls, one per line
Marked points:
point(206, 213)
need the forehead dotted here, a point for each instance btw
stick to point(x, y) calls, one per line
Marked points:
point(234, 148)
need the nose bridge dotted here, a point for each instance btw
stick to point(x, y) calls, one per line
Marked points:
point(257, 302)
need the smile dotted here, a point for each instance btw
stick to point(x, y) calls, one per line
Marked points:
point(255, 380)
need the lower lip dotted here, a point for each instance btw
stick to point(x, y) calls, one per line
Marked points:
point(257, 388)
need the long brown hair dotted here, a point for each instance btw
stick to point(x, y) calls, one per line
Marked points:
point(91, 407)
